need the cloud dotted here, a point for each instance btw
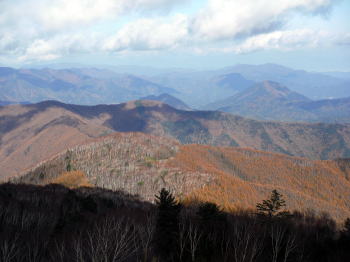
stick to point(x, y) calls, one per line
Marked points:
point(149, 34)
point(343, 40)
point(60, 45)
point(227, 19)
point(48, 15)
point(282, 40)
point(47, 29)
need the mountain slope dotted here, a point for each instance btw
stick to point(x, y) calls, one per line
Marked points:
point(231, 177)
point(266, 100)
point(271, 101)
point(168, 99)
point(31, 133)
point(329, 110)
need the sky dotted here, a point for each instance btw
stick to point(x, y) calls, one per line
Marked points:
point(202, 34)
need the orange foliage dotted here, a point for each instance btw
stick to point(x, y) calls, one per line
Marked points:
point(243, 177)
point(72, 179)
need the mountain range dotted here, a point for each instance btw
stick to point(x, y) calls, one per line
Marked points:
point(32, 133)
point(82, 86)
point(271, 101)
point(199, 88)
point(196, 88)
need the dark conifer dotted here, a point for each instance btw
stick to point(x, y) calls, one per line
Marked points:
point(272, 207)
point(167, 225)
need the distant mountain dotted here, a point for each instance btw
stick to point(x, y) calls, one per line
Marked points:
point(310, 84)
point(232, 81)
point(313, 85)
point(328, 110)
point(342, 75)
point(271, 101)
point(168, 99)
point(230, 177)
point(265, 100)
point(6, 103)
point(83, 86)
point(32, 133)
point(196, 88)
point(202, 87)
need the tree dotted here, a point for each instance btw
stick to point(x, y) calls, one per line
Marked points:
point(272, 207)
point(346, 229)
point(167, 225)
point(209, 212)
point(212, 224)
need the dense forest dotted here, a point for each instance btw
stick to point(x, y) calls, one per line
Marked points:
point(54, 223)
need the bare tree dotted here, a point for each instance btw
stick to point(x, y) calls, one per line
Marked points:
point(194, 236)
point(146, 234)
point(183, 238)
point(246, 245)
point(226, 245)
point(291, 245)
point(59, 254)
point(9, 248)
point(277, 232)
point(112, 240)
point(78, 250)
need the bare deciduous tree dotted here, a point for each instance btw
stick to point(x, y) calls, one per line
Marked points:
point(9, 248)
point(291, 245)
point(146, 232)
point(246, 245)
point(194, 236)
point(112, 240)
point(277, 233)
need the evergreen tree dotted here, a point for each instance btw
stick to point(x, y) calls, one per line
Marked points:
point(212, 221)
point(167, 225)
point(272, 207)
point(346, 229)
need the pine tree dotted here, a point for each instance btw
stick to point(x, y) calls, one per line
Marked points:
point(167, 225)
point(272, 207)
point(346, 229)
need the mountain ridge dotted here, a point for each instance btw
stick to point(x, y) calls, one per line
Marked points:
point(84, 86)
point(31, 133)
point(271, 101)
point(168, 99)
point(230, 177)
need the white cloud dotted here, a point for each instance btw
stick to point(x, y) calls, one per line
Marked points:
point(343, 39)
point(47, 29)
point(149, 34)
point(58, 14)
point(60, 45)
point(282, 40)
point(224, 19)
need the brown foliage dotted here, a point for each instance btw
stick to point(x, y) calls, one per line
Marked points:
point(72, 179)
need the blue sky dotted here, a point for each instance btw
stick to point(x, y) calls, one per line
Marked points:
point(305, 34)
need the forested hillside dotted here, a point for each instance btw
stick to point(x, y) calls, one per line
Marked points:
point(233, 178)
point(32, 133)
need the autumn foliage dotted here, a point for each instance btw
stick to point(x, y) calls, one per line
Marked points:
point(234, 178)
